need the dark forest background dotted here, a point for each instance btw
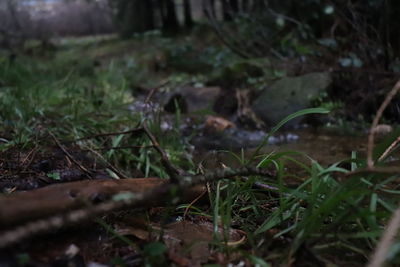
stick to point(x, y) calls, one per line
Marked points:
point(357, 41)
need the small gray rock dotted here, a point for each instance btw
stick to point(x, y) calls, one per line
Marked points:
point(288, 95)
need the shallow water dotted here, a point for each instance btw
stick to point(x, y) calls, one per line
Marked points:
point(324, 146)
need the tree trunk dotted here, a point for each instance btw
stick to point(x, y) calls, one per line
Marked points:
point(143, 17)
point(124, 18)
point(226, 10)
point(258, 5)
point(245, 5)
point(187, 10)
point(209, 8)
point(148, 5)
point(234, 6)
point(170, 21)
point(393, 24)
point(135, 16)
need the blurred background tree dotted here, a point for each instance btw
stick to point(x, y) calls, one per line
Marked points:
point(251, 28)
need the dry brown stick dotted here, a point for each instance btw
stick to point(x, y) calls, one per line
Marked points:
point(31, 152)
point(171, 170)
point(31, 155)
point(80, 166)
point(162, 192)
point(379, 113)
point(109, 165)
point(389, 149)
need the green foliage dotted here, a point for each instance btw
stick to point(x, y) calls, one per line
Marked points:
point(33, 91)
point(54, 175)
point(154, 254)
point(73, 98)
point(320, 213)
point(330, 209)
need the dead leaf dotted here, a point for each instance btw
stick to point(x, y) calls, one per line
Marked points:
point(187, 241)
point(217, 124)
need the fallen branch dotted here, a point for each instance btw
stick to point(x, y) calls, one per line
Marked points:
point(159, 194)
point(20, 207)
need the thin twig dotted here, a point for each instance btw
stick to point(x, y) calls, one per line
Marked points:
point(69, 156)
point(31, 155)
point(31, 152)
point(262, 185)
point(390, 148)
point(371, 135)
point(154, 89)
point(171, 170)
point(379, 257)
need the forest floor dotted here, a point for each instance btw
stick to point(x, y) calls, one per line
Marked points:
point(81, 121)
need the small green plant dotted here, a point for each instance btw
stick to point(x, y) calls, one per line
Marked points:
point(154, 254)
point(54, 175)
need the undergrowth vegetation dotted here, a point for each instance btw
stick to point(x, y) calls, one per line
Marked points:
point(333, 214)
point(340, 208)
point(73, 95)
point(330, 211)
